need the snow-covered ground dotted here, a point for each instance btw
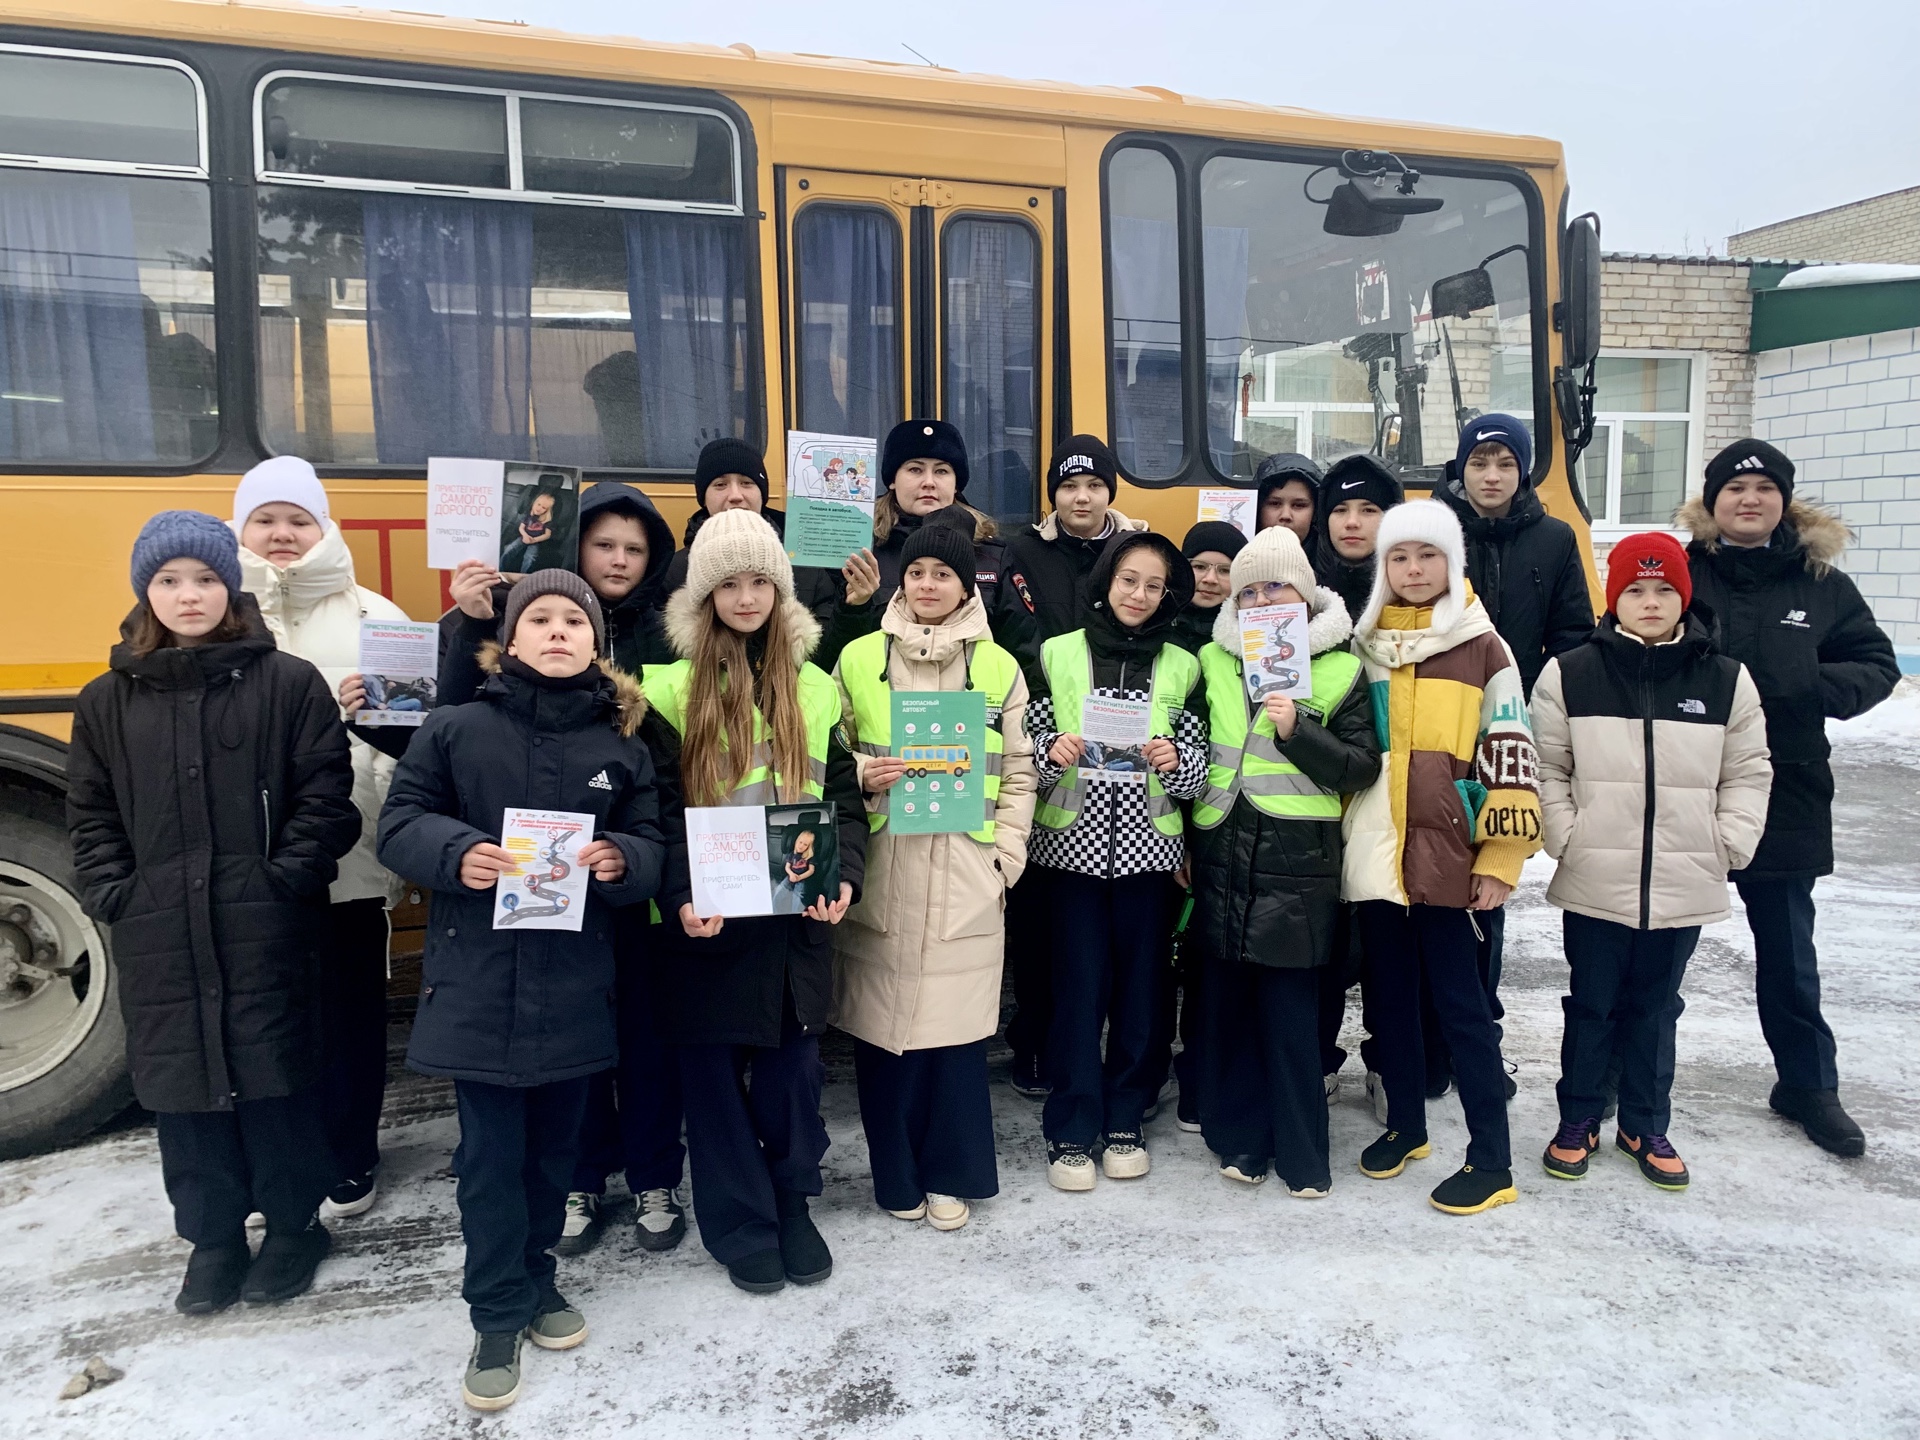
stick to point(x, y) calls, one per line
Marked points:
point(1780, 1297)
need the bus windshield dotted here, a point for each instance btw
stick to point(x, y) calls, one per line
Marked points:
point(1327, 344)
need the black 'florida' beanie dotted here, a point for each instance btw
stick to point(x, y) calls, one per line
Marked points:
point(1215, 535)
point(924, 440)
point(947, 536)
point(1747, 457)
point(728, 456)
point(1082, 455)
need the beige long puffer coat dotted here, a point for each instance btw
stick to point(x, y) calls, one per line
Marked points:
point(313, 609)
point(917, 961)
point(1646, 848)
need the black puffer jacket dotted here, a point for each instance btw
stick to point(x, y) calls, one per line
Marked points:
point(822, 591)
point(1352, 581)
point(1267, 891)
point(210, 797)
point(1810, 642)
point(1526, 569)
point(731, 989)
point(1053, 564)
point(521, 1007)
point(635, 635)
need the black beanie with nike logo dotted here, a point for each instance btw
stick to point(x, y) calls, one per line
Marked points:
point(1359, 477)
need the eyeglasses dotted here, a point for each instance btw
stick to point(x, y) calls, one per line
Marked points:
point(1130, 582)
point(1263, 592)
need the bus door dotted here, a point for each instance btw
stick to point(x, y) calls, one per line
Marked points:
point(905, 296)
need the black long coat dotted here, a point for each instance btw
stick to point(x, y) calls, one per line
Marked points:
point(1809, 640)
point(1525, 567)
point(520, 1007)
point(210, 797)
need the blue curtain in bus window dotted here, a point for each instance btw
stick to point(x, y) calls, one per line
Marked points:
point(449, 327)
point(848, 265)
point(73, 324)
point(1145, 345)
point(687, 288)
point(992, 328)
point(1225, 256)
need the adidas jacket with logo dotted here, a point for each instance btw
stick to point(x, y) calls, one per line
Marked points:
point(1653, 776)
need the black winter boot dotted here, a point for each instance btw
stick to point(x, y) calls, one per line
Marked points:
point(1819, 1112)
point(760, 1273)
point(284, 1268)
point(214, 1277)
point(802, 1250)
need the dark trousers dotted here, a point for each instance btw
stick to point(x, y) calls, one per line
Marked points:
point(1335, 980)
point(1031, 966)
point(1262, 1093)
point(754, 1133)
point(1787, 980)
point(353, 1019)
point(634, 1112)
point(516, 1154)
point(1109, 940)
point(1403, 945)
point(1489, 955)
point(1623, 999)
point(929, 1122)
point(219, 1166)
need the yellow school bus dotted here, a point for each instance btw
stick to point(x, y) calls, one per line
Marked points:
point(234, 230)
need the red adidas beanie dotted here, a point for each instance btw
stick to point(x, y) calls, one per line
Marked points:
point(1652, 556)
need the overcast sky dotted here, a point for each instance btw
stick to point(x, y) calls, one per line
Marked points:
point(1683, 121)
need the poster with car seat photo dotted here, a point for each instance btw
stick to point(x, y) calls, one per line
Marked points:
point(747, 860)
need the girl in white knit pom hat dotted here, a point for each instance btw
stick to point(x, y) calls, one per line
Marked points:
point(744, 719)
point(1438, 839)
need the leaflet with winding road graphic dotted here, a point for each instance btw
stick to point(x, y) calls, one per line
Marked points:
point(547, 889)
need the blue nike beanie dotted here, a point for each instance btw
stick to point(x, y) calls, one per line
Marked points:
point(1495, 429)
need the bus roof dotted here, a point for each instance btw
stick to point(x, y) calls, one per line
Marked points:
point(515, 45)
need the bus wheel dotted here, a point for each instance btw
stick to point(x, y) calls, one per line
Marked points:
point(63, 1046)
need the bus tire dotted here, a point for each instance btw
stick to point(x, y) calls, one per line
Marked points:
point(71, 1078)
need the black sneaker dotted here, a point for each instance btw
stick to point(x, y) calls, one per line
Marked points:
point(1388, 1156)
point(1029, 1077)
point(582, 1229)
point(1645, 1151)
point(214, 1277)
point(760, 1273)
point(1187, 1117)
point(1469, 1191)
point(1246, 1169)
point(352, 1197)
point(285, 1265)
point(1819, 1113)
point(659, 1220)
point(1581, 1135)
point(802, 1250)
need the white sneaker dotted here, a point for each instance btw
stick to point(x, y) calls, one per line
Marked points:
point(1333, 1086)
point(1377, 1096)
point(1125, 1158)
point(1070, 1167)
point(918, 1212)
point(659, 1219)
point(946, 1212)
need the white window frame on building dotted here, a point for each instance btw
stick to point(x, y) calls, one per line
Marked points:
point(1603, 492)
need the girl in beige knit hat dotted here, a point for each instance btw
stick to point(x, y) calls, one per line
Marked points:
point(743, 718)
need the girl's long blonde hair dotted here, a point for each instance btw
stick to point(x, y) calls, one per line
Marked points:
point(716, 750)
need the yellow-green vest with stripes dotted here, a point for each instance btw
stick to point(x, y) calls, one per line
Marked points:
point(1069, 668)
point(1249, 762)
point(862, 670)
point(666, 691)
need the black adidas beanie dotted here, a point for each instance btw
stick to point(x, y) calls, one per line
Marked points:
point(1082, 455)
point(947, 536)
point(924, 440)
point(728, 456)
point(1747, 457)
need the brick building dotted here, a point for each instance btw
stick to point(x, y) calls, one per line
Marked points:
point(1885, 229)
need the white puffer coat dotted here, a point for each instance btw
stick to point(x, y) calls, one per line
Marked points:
point(313, 609)
point(917, 961)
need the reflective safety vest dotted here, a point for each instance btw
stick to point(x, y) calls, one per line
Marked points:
point(1069, 669)
point(1250, 763)
point(666, 691)
point(863, 670)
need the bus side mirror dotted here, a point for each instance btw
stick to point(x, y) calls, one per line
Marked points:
point(1580, 291)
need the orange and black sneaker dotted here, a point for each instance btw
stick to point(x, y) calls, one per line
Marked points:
point(1566, 1158)
point(1656, 1159)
